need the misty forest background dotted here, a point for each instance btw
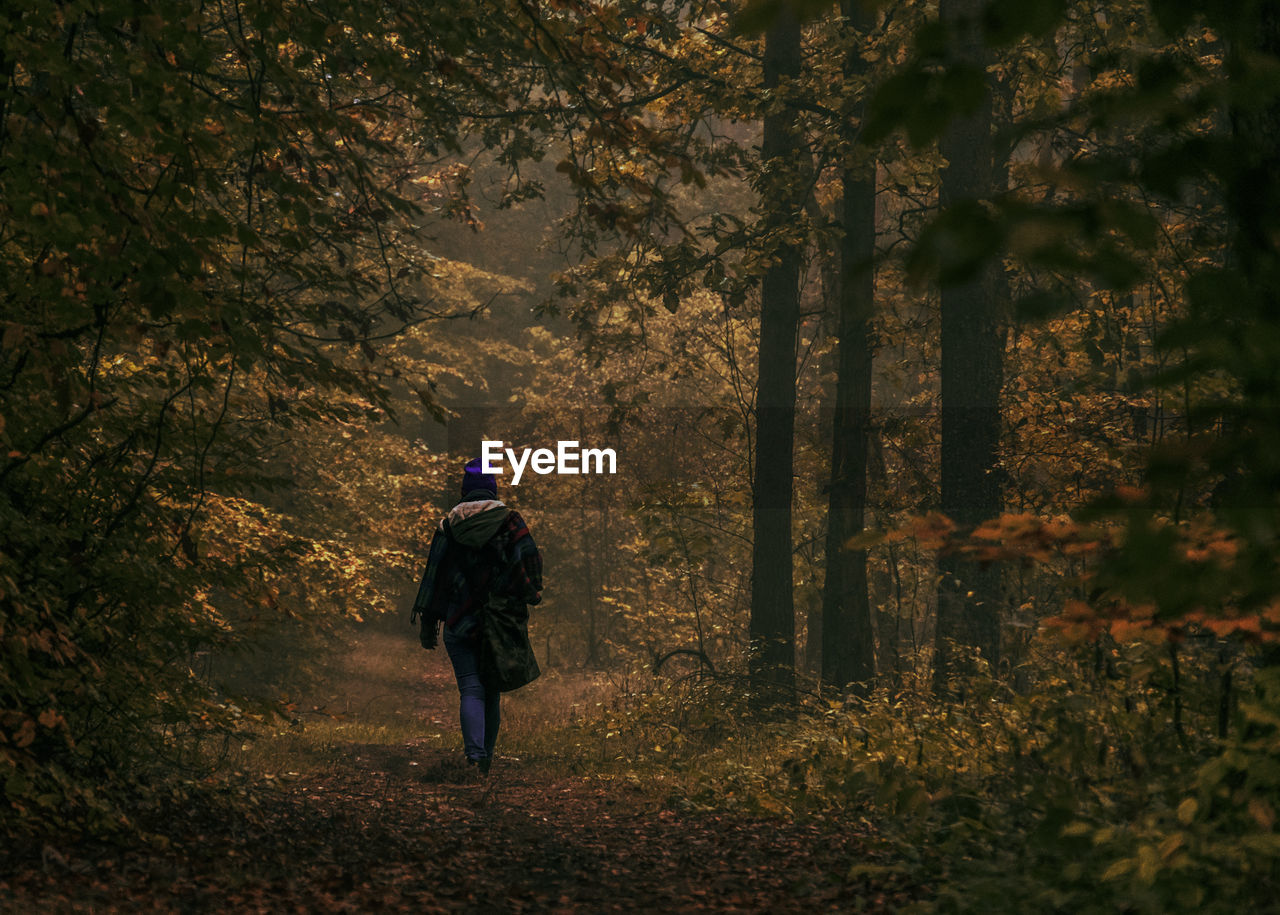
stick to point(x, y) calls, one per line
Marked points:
point(938, 342)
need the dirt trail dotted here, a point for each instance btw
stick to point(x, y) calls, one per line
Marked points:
point(403, 828)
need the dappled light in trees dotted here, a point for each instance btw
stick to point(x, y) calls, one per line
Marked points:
point(936, 344)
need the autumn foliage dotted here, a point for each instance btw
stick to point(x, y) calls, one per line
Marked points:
point(272, 270)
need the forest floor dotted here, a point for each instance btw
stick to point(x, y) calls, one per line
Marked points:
point(390, 821)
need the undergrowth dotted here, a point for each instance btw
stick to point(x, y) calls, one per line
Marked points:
point(361, 695)
point(1104, 782)
point(1097, 787)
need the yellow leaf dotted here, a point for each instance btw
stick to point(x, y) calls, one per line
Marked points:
point(1170, 845)
point(50, 719)
point(1148, 864)
point(1118, 869)
point(1262, 813)
point(1187, 811)
point(862, 541)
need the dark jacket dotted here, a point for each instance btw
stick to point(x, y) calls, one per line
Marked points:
point(481, 550)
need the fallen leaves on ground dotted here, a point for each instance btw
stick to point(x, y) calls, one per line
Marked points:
point(407, 828)
point(368, 838)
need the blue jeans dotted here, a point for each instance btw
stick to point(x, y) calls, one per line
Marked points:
point(478, 707)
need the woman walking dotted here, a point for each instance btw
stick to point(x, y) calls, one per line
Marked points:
point(483, 562)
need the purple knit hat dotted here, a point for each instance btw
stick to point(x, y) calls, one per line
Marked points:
point(474, 478)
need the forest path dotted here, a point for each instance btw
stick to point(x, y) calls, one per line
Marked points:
point(403, 827)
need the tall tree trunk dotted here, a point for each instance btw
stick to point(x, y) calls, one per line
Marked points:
point(972, 356)
point(772, 629)
point(1253, 200)
point(848, 646)
point(828, 259)
point(588, 540)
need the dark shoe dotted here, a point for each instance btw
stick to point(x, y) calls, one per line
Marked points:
point(481, 765)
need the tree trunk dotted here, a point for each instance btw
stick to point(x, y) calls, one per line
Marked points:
point(1252, 191)
point(972, 356)
point(772, 628)
point(848, 647)
point(588, 540)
